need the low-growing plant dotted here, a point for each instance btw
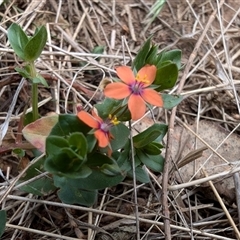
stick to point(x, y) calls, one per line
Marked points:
point(93, 149)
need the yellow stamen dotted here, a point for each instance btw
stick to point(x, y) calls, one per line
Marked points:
point(143, 79)
point(114, 120)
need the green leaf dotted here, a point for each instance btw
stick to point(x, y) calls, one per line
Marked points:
point(141, 175)
point(166, 76)
point(154, 162)
point(40, 187)
point(54, 144)
point(155, 10)
point(3, 220)
point(28, 118)
point(123, 158)
point(97, 159)
point(98, 50)
point(65, 164)
point(74, 156)
point(106, 107)
point(78, 142)
point(66, 156)
point(174, 56)
point(18, 40)
point(37, 132)
point(152, 56)
point(18, 152)
point(71, 193)
point(153, 148)
point(110, 169)
point(170, 101)
point(140, 59)
point(67, 124)
point(95, 181)
point(162, 64)
point(92, 141)
point(164, 129)
point(36, 80)
point(149, 135)
point(125, 115)
point(23, 72)
point(40, 79)
point(35, 45)
point(99, 180)
point(104, 163)
point(120, 135)
point(33, 170)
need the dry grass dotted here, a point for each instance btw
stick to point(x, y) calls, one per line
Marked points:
point(208, 34)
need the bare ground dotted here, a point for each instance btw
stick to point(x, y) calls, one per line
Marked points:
point(205, 141)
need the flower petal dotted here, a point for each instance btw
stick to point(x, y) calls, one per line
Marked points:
point(88, 119)
point(117, 90)
point(147, 74)
point(125, 74)
point(136, 106)
point(102, 137)
point(95, 115)
point(151, 96)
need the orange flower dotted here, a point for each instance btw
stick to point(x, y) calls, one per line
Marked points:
point(102, 132)
point(136, 88)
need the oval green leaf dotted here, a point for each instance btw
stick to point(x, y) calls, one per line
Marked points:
point(71, 193)
point(66, 164)
point(54, 145)
point(152, 148)
point(23, 72)
point(174, 56)
point(140, 59)
point(120, 135)
point(153, 162)
point(35, 45)
point(107, 107)
point(69, 123)
point(95, 181)
point(18, 40)
point(40, 79)
point(149, 135)
point(170, 101)
point(40, 187)
point(78, 142)
point(141, 175)
point(166, 77)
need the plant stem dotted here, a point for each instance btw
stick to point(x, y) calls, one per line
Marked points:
point(33, 74)
point(35, 101)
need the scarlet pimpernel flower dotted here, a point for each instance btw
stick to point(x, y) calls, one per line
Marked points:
point(136, 88)
point(102, 127)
